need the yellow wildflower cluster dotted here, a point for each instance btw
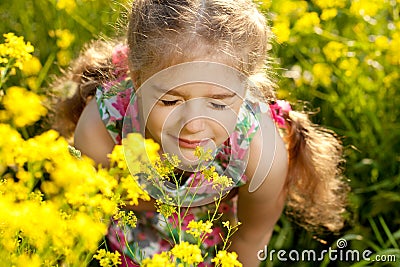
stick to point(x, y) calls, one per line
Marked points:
point(14, 51)
point(54, 206)
point(199, 229)
point(67, 5)
point(203, 155)
point(282, 22)
point(64, 40)
point(164, 209)
point(393, 55)
point(219, 182)
point(73, 217)
point(31, 66)
point(125, 218)
point(64, 37)
point(139, 152)
point(324, 4)
point(162, 259)
point(322, 73)
point(226, 259)
point(306, 23)
point(129, 158)
point(365, 7)
point(31, 69)
point(22, 107)
point(164, 168)
point(183, 254)
point(187, 253)
point(107, 259)
point(334, 50)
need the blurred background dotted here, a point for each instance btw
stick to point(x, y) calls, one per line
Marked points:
point(339, 59)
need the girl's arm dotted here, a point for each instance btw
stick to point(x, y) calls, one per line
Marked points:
point(91, 136)
point(258, 211)
point(93, 140)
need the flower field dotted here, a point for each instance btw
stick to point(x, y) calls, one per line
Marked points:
point(339, 60)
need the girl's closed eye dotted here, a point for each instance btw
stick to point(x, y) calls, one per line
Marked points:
point(169, 102)
point(218, 106)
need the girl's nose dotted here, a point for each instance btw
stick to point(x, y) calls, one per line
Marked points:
point(194, 125)
point(193, 117)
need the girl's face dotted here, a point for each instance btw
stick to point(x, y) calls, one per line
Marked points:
point(196, 105)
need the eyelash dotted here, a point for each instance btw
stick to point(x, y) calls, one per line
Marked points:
point(169, 102)
point(218, 106)
point(174, 102)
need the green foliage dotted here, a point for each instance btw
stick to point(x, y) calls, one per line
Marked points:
point(59, 28)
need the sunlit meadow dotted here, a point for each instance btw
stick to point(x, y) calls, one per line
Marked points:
point(340, 58)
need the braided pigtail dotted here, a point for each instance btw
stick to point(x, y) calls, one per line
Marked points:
point(72, 91)
point(316, 189)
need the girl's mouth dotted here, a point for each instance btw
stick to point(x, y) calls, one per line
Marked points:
point(185, 143)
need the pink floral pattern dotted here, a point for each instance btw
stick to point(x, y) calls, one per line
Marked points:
point(279, 110)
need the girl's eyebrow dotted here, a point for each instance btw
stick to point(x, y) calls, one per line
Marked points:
point(222, 96)
point(214, 96)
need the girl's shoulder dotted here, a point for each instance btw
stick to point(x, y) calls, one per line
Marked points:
point(112, 99)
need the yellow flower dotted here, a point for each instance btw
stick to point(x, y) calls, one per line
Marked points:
point(107, 259)
point(393, 51)
point(382, 42)
point(9, 146)
point(226, 224)
point(117, 157)
point(226, 259)
point(334, 50)
point(208, 173)
point(139, 151)
point(200, 228)
point(349, 66)
point(307, 22)
point(32, 83)
point(126, 218)
point(14, 50)
point(67, 5)
point(133, 191)
point(292, 8)
point(64, 37)
point(23, 106)
point(281, 29)
point(365, 7)
point(221, 182)
point(158, 260)
point(165, 209)
point(63, 57)
point(322, 73)
point(164, 168)
point(75, 199)
point(329, 13)
point(31, 66)
point(187, 253)
point(324, 4)
point(151, 149)
point(203, 155)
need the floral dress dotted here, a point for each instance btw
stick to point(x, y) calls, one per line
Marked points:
point(152, 235)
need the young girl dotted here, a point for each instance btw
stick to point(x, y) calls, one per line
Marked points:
point(196, 75)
